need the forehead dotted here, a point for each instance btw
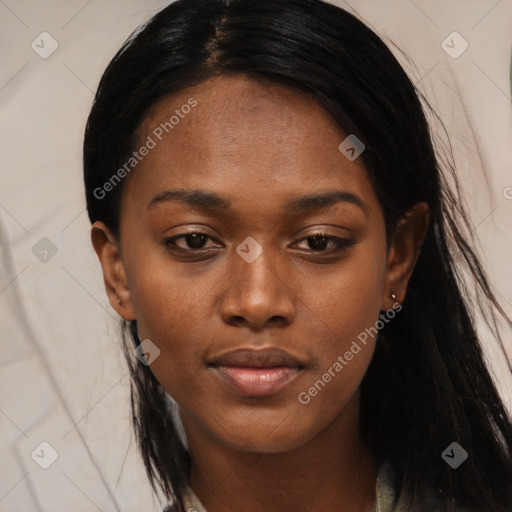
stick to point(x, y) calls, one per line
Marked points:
point(246, 139)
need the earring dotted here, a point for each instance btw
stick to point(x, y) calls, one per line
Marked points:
point(394, 296)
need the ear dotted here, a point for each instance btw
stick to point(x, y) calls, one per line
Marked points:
point(404, 251)
point(114, 275)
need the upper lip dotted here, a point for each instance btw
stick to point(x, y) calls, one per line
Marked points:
point(262, 358)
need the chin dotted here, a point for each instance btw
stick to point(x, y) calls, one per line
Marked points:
point(265, 437)
point(257, 444)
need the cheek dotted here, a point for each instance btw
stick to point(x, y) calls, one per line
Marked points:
point(347, 299)
point(172, 303)
point(166, 295)
point(347, 307)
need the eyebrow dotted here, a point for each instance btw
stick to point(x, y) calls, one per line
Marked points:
point(212, 202)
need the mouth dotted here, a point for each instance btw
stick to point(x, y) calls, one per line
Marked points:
point(257, 372)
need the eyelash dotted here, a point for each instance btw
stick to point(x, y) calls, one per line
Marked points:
point(341, 243)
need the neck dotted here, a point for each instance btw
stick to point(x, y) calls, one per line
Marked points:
point(332, 468)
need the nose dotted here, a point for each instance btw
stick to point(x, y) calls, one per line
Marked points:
point(257, 294)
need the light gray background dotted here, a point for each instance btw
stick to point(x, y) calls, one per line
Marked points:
point(62, 375)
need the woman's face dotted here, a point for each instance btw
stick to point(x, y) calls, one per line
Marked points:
point(258, 275)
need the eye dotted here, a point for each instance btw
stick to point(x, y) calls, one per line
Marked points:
point(318, 242)
point(194, 240)
point(321, 241)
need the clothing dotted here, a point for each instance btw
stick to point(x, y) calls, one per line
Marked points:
point(384, 489)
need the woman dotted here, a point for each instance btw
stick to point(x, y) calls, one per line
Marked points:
point(277, 234)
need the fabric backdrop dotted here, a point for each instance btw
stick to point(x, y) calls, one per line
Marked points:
point(63, 382)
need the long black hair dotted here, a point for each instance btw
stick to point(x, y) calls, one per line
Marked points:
point(427, 385)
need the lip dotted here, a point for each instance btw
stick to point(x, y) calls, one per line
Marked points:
point(257, 372)
point(262, 358)
point(253, 381)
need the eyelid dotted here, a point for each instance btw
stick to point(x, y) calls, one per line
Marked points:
point(340, 242)
point(171, 239)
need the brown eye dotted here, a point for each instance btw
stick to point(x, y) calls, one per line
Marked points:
point(327, 243)
point(190, 241)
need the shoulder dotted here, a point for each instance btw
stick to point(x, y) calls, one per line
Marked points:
point(191, 503)
point(389, 500)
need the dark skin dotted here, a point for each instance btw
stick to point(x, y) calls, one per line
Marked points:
point(259, 145)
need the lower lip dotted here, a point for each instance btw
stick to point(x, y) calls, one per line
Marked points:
point(253, 381)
